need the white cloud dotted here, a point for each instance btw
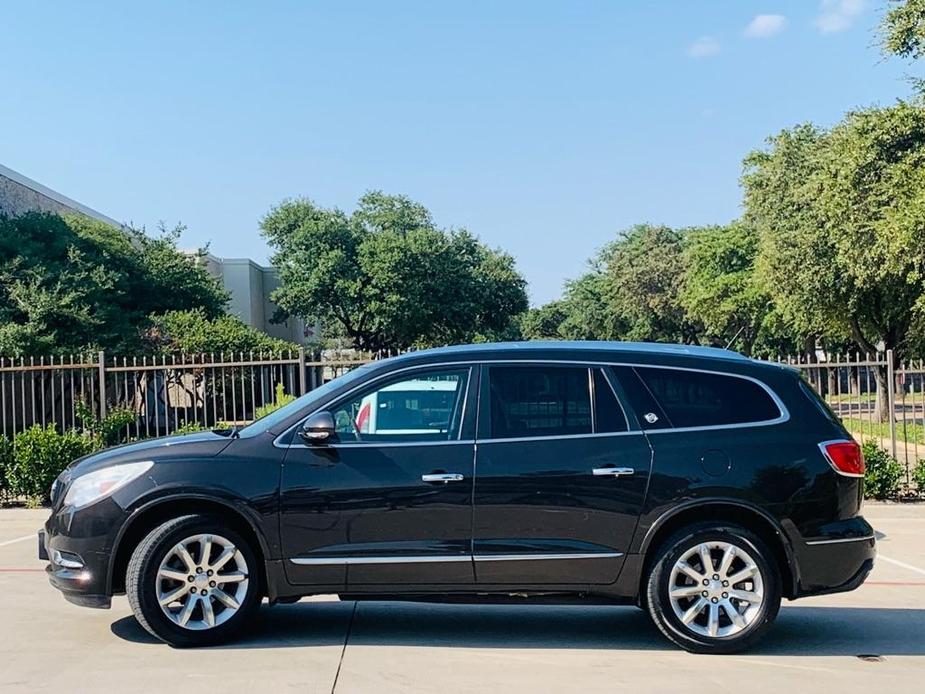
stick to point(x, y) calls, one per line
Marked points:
point(765, 25)
point(838, 15)
point(703, 47)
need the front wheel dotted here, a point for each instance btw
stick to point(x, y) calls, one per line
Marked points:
point(714, 588)
point(193, 581)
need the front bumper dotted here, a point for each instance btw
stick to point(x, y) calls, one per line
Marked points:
point(77, 549)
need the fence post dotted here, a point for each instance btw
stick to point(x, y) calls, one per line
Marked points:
point(102, 377)
point(302, 390)
point(891, 398)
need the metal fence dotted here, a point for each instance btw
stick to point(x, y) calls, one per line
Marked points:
point(877, 399)
point(164, 393)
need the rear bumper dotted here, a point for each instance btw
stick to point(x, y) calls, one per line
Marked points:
point(838, 561)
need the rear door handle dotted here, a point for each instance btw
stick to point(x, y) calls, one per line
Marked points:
point(442, 477)
point(612, 471)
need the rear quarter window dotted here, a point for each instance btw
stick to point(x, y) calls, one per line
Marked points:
point(698, 398)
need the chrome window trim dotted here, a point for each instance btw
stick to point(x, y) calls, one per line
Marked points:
point(454, 558)
point(784, 412)
point(839, 540)
point(386, 444)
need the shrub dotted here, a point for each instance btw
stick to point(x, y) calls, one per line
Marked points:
point(194, 332)
point(188, 428)
point(884, 473)
point(39, 456)
point(281, 398)
point(918, 476)
point(6, 462)
point(109, 430)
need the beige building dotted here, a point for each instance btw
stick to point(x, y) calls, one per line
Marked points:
point(250, 286)
point(248, 283)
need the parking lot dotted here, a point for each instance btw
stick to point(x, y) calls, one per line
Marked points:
point(869, 640)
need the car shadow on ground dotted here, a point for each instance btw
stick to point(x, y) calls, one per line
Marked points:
point(810, 631)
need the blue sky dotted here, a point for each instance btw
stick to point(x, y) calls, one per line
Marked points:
point(543, 127)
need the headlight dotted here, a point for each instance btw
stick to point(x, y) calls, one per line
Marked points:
point(90, 488)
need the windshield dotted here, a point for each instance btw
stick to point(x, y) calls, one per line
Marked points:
point(304, 403)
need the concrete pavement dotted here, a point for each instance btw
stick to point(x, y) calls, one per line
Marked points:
point(324, 645)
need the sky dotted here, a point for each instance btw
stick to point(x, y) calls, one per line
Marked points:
point(542, 127)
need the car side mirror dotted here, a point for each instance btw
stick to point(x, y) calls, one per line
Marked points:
point(318, 429)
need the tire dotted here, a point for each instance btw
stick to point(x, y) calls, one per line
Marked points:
point(146, 582)
point(705, 623)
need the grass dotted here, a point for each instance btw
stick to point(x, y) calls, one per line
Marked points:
point(909, 433)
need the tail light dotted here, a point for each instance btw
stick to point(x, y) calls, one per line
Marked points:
point(844, 456)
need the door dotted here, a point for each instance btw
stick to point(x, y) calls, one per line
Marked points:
point(561, 477)
point(389, 499)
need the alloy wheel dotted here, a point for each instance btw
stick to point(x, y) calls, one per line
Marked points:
point(716, 589)
point(202, 582)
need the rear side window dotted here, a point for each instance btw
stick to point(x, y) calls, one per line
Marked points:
point(640, 399)
point(539, 401)
point(696, 398)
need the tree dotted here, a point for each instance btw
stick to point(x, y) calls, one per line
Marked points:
point(902, 30)
point(841, 215)
point(644, 279)
point(71, 283)
point(795, 262)
point(386, 277)
point(723, 291)
point(545, 322)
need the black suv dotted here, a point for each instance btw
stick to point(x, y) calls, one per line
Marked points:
point(693, 482)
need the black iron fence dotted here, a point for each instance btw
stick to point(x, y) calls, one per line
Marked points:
point(876, 398)
point(165, 393)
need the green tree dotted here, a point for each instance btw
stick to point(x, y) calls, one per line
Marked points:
point(72, 283)
point(723, 291)
point(386, 277)
point(544, 322)
point(841, 218)
point(902, 30)
point(644, 280)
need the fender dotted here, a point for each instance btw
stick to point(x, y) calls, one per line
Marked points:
point(786, 540)
point(241, 510)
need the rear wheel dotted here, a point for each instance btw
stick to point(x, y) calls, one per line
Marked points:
point(714, 588)
point(193, 581)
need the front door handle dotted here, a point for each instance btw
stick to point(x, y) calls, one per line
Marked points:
point(612, 471)
point(442, 477)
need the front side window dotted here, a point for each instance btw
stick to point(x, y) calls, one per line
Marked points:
point(424, 406)
point(697, 398)
point(528, 401)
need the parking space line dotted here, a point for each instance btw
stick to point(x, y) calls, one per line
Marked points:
point(894, 583)
point(902, 564)
point(18, 539)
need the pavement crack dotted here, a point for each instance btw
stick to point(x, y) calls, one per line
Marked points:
point(340, 662)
